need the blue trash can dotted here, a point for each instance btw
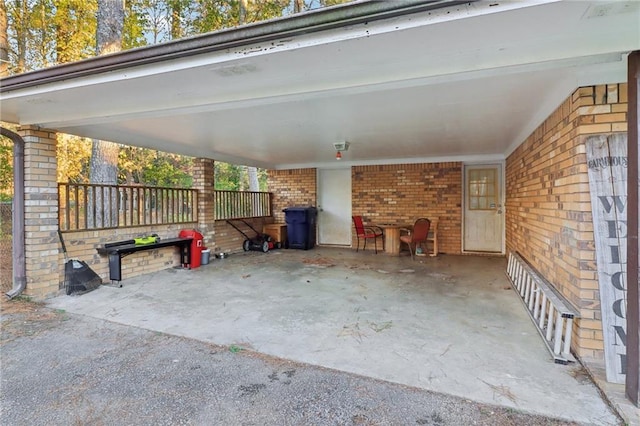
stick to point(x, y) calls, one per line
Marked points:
point(301, 227)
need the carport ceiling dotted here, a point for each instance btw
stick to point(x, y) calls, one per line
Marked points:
point(401, 81)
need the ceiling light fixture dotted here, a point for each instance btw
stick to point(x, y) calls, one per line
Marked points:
point(340, 147)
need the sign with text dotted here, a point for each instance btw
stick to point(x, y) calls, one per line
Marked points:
point(607, 162)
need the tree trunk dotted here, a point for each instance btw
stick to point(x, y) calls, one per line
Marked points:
point(104, 170)
point(21, 30)
point(252, 172)
point(175, 15)
point(298, 6)
point(104, 155)
point(4, 43)
point(110, 24)
point(242, 16)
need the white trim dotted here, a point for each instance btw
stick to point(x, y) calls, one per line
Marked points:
point(219, 61)
point(467, 159)
point(503, 197)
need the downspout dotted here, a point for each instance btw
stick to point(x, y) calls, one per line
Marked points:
point(19, 262)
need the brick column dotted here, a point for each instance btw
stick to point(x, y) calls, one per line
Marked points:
point(44, 261)
point(203, 181)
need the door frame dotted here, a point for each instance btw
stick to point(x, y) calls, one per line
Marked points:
point(501, 165)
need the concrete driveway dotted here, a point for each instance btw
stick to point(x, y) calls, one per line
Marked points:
point(450, 324)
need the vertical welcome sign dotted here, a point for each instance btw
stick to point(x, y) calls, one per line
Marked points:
point(607, 162)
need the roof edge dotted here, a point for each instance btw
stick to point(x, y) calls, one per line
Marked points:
point(304, 23)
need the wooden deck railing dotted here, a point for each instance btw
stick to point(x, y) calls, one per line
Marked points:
point(90, 206)
point(241, 204)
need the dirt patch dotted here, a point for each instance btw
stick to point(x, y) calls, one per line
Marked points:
point(6, 262)
point(323, 262)
point(20, 317)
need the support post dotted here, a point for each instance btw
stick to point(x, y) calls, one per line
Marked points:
point(633, 253)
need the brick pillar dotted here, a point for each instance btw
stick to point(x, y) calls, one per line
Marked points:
point(203, 181)
point(44, 261)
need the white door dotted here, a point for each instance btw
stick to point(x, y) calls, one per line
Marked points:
point(483, 210)
point(334, 207)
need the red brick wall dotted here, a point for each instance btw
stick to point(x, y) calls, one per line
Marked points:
point(82, 245)
point(295, 187)
point(387, 193)
point(404, 192)
point(548, 207)
point(229, 240)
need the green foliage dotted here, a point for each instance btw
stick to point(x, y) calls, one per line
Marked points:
point(73, 154)
point(135, 22)
point(6, 169)
point(74, 23)
point(169, 170)
point(154, 168)
point(232, 177)
point(132, 162)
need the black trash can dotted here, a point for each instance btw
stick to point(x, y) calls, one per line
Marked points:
point(301, 227)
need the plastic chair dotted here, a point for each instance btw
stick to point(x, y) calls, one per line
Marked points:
point(417, 236)
point(366, 233)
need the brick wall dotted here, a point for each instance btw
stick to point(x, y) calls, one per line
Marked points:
point(203, 181)
point(82, 245)
point(295, 187)
point(548, 207)
point(404, 192)
point(229, 240)
point(43, 252)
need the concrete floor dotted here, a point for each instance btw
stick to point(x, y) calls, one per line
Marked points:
point(450, 324)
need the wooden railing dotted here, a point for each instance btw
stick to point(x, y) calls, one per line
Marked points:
point(241, 204)
point(90, 206)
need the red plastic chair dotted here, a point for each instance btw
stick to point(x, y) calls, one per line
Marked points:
point(367, 232)
point(418, 235)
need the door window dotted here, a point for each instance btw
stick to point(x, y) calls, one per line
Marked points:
point(482, 190)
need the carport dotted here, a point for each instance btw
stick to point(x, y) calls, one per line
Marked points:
point(437, 86)
point(449, 324)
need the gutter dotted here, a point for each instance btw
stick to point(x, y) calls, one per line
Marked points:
point(19, 261)
point(304, 23)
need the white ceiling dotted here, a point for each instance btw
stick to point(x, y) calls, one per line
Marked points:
point(464, 83)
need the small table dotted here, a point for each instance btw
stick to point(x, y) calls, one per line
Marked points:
point(392, 236)
point(277, 231)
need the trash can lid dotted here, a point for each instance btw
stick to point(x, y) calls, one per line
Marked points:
point(298, 208)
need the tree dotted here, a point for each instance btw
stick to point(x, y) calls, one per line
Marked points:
point(6, 168)
point(136, 22)
point(298, 6)
point(110, 23)
point(73, 154)
point(75, 28)
point(178, 11)
point(229, 177)
point(4, 40)
point(104, 155)
point(169, 170)
point(18, 11)
point(43, 36)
